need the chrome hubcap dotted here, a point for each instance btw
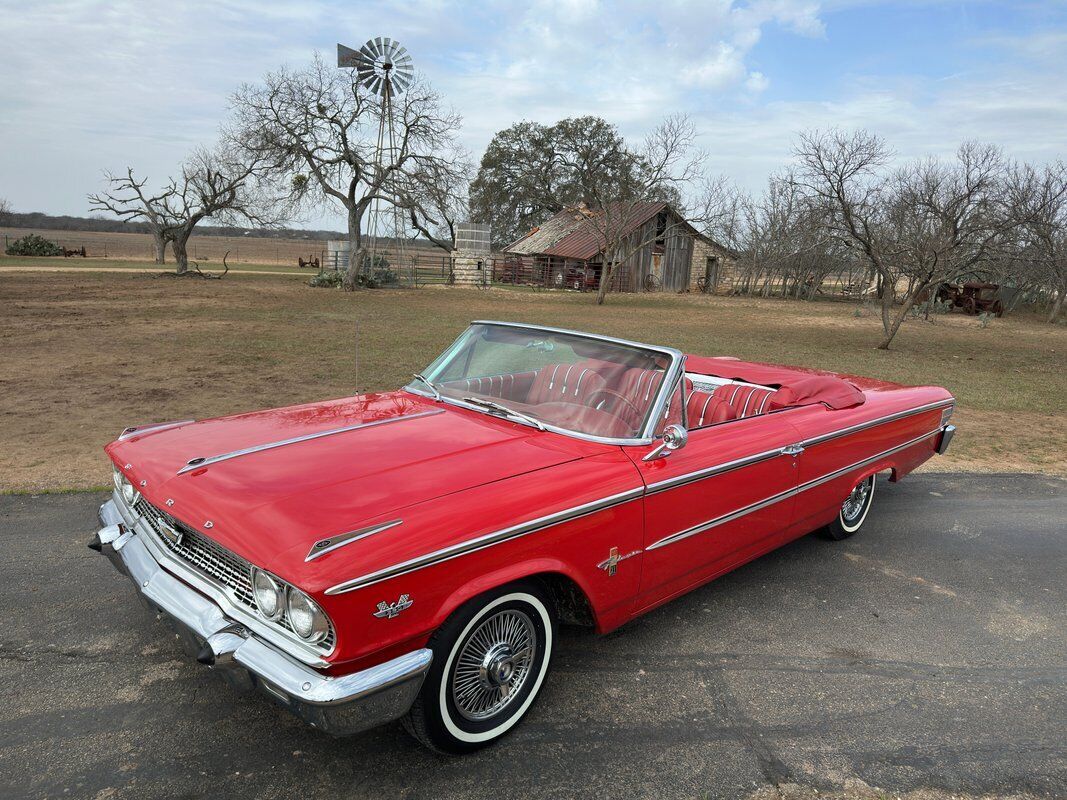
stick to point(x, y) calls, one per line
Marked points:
point(494, 664)
point(853, 506)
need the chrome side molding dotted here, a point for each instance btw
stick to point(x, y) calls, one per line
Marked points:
point(777, 498)
point(485, 540)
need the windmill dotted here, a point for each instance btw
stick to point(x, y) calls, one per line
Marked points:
point(383, 67)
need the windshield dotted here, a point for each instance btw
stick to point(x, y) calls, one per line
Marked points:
point(563, 380)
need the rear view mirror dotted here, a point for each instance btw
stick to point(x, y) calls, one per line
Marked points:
point(674, 438)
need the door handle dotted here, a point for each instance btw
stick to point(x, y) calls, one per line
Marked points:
point(792, 450)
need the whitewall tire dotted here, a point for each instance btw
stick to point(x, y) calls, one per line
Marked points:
point(490, 661)
point(854, 510)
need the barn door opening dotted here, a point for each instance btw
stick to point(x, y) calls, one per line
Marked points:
point(711, 274)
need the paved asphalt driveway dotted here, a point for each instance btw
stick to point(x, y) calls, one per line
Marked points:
point(928, 651)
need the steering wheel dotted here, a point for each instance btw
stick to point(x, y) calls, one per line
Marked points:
point(613, 393)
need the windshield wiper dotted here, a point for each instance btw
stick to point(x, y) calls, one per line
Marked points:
point(505, 410)
point(428, 382)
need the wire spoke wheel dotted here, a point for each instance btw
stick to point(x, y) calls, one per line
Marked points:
point(493, 664)
point(853, 506)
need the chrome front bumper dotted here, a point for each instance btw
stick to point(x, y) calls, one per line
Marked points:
point(338, 705)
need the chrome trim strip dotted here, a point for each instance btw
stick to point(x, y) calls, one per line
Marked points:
point(776, 498)
point(204, 462)
point(709, 472)
point(324, 546)
point(583, 334)
point(137, 430)
point(825, 437)
point(486, 540)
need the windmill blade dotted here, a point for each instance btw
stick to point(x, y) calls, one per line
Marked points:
point(346, 56)
point(388, 46)
point(378, 44)
point(375, 84)
point(401, 54)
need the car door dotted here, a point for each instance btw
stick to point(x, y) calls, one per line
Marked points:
point(715, 503)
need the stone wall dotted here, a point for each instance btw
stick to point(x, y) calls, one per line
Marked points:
point(702, 248)
point(471, 269)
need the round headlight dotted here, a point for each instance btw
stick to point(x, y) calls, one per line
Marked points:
point(268, 594)
point(126, 490)
point(307, 619)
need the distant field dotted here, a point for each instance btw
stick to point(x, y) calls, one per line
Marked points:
point(86, 353)
point(208, 250)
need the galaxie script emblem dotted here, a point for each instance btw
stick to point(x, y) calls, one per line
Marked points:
point(390, 610)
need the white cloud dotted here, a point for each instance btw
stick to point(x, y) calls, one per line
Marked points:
point(98, 85)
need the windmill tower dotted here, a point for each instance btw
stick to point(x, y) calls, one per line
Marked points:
point(383, 67)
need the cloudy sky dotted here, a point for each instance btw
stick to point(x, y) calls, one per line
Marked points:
point(91, 86)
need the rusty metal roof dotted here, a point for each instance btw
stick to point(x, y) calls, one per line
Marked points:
point(579, 233)
point(553, 230)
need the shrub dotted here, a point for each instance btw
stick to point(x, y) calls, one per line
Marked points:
point(985, 318)
point(931, 306)
point(33, 245)
point(327, 279)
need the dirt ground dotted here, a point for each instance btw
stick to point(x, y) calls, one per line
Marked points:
point(84, 354)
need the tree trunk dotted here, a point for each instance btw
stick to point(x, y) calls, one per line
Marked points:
point(887, 307)
point(355, 249)
point(181, 256)
point(605, 282)
point(159, 245)
point(1056, 306)
point(909, 301)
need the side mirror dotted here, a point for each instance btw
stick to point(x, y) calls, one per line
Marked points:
point(674, 438)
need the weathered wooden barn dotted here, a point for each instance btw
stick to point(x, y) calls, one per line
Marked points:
point(657, 246)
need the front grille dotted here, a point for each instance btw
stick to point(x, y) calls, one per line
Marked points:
point(222, 567)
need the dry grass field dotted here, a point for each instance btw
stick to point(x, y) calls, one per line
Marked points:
point(208, 250)
point(85, 353)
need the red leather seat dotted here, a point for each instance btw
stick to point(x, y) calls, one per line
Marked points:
point(571, 383)
point(746, 401)
point(704, 408)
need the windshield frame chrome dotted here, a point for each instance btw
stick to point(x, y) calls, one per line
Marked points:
point(646, 435)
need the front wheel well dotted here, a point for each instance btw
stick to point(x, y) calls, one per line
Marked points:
point(572, 605)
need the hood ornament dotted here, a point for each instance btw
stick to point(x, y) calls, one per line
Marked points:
point(392, 610)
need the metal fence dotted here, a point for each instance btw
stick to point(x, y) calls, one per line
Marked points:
point(385, 269)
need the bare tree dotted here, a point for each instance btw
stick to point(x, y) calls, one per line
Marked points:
point(1039, 198)
point(781, 243)
point(927, 223)
point(5, 211)
point(127, 198)
point(665, 166)
point(212, 183)
point(220, 184)
point(319, 126)
point(842, 174)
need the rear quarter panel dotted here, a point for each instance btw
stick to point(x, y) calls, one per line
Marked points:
point(857, 454)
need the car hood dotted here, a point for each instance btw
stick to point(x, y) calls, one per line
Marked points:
point(368, 457)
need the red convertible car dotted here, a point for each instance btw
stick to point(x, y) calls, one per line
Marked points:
point(410, 554)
